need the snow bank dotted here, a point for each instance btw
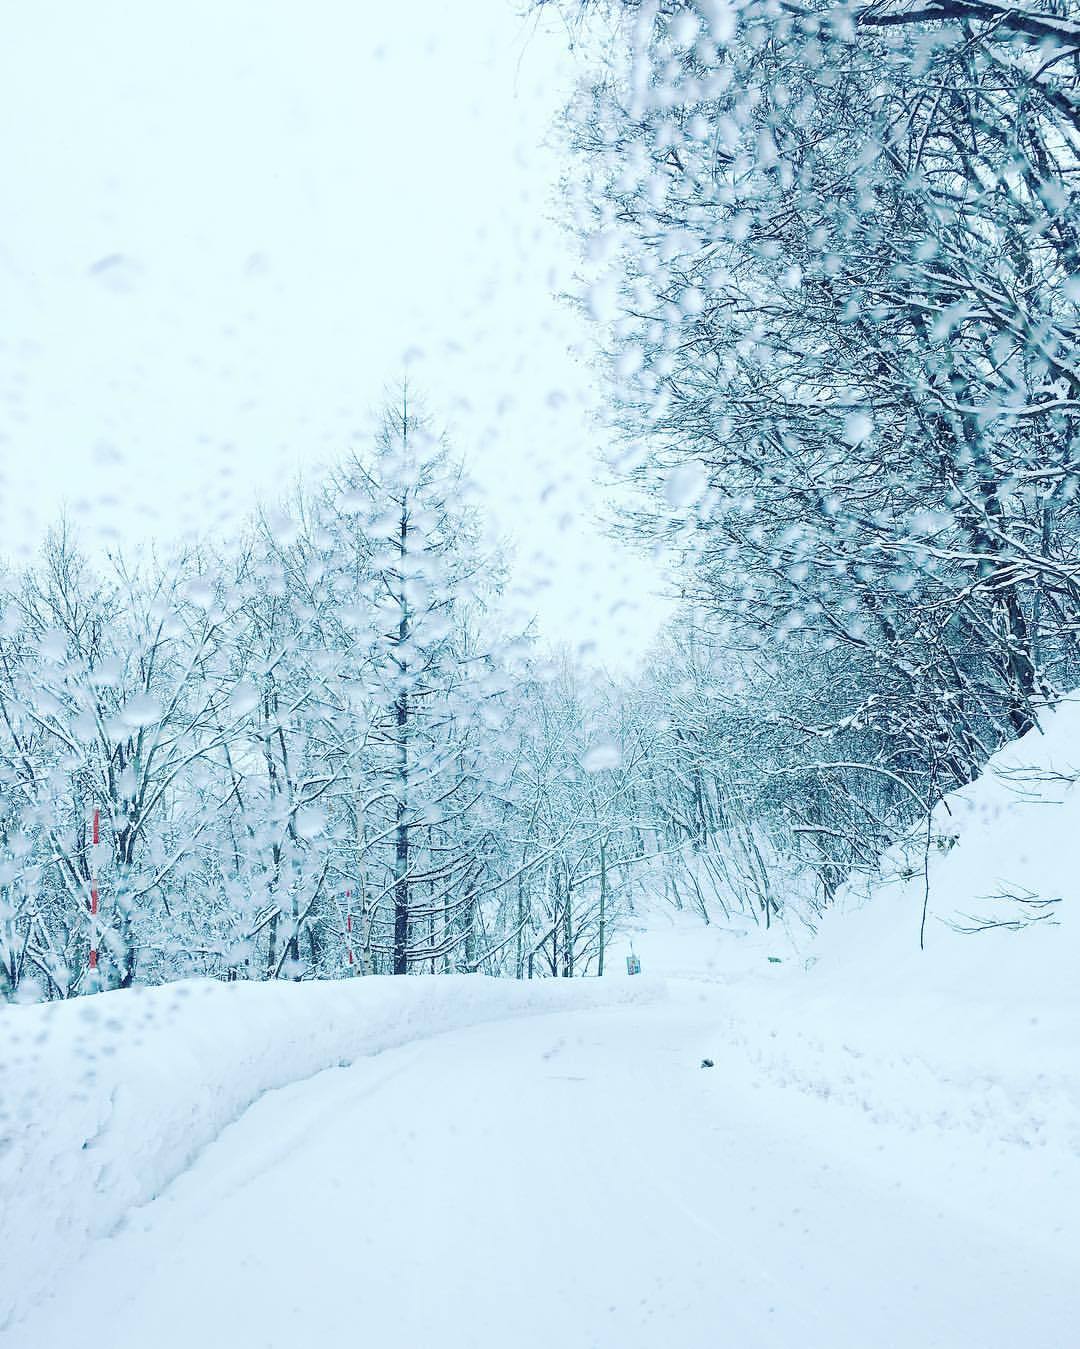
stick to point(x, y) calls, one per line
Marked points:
point(979, 1028)
point(104, 1100)
point(976, 1033)
point(1000, 851)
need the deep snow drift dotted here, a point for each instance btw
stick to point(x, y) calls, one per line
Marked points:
point(104, 1100)
point(978, 1031)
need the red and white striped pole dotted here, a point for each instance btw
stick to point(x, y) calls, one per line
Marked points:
point(95, 839)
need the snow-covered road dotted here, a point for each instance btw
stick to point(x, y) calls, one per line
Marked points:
point(574, 1180)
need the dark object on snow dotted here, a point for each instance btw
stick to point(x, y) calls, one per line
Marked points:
point(774, 960)
point(707, 1063)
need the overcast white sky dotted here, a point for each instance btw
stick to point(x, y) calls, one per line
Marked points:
point(229, 227)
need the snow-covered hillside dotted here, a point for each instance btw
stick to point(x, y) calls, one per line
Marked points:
point(978, 1029)
point(995, 863)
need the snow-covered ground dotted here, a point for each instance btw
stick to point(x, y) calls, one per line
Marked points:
point(978, 1032)
point(105, 1100)
point(579, 1180)
point(886, 1150)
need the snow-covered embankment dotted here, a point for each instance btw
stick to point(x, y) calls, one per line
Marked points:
point(104, 1100)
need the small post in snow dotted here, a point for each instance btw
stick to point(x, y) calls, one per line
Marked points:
point(95, 840)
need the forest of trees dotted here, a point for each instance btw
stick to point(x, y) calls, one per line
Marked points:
point(833, 257)
point(317, 754)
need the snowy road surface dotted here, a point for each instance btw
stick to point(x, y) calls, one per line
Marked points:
point(575, 1180)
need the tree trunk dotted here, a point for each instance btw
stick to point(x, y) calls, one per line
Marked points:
point(401, 850)
point(603, 904)
point(401, 842)
point(568, 933)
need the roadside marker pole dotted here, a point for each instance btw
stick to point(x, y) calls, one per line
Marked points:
point(95, 841)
